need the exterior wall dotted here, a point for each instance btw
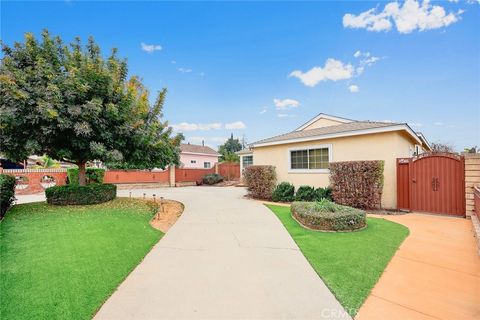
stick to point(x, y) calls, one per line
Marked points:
point(386, 146)
point(472, 178)
point(320, 123)
point(241, 161)
point(33, 179)
point(186, 158)
point(136, 176)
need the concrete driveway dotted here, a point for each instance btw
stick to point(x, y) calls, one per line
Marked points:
point(225, 258)
point(434, 275)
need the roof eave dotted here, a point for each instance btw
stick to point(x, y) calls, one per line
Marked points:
point(398, 127)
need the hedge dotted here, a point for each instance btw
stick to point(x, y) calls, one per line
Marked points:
point(72, 194)
point(7, 192)
point(260, 181)
point(284, 192)
point(212, 178)
point(92, 175)
point(357, 184)
point(326, 215)
point(305, 193)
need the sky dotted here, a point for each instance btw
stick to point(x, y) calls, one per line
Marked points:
point(258, 69)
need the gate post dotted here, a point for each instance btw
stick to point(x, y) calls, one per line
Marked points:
point(171, 175)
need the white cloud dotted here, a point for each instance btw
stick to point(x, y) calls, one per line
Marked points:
point(333, 70)
point(264, 110)
point(150, 48)
point(357, 53)
point(235, 125)
point(353, 88)
point(173, 61)
point(184, 70)
point(286, 103)
point(185, 126)
point(410, 16)
point(286, 115)
point(438, 123)
point(365, 59)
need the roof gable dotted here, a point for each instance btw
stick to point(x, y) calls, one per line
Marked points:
point(194, 148)
point(323, 120)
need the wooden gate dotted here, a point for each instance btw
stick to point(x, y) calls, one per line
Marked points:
point(432, 183)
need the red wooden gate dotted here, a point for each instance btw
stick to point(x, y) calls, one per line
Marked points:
point(432, 183)
point(229, 170)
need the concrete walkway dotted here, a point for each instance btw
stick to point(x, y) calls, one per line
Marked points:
point(225, 258)
point(434, 275)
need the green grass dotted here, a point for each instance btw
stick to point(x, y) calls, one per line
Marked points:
point(63, 262)
point(350, 263)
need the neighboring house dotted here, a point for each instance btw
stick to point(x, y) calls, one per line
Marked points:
point(197, 156)
point(302, 156)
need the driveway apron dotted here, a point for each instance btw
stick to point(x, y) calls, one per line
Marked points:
point(226, 258)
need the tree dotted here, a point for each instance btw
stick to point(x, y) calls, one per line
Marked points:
point(440, 147)
point(229, 147)
point(70, 103)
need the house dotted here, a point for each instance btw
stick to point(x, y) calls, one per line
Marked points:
point(197, 156)
point(302, 156)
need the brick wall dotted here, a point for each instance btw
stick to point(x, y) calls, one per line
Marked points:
point(30, 181)
point(472, 177)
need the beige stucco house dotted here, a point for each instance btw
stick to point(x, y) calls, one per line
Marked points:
point(301, 157)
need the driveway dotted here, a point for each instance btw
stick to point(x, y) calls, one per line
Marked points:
point(225, 258)
point(434, 275)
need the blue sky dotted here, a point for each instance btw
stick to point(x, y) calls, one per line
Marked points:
point(263, 68)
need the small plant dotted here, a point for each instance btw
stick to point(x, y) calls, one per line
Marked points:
point(72, 194)
point(285, 192)
point(323, 193)
point(326, 215)
point(7, 192)
point(305, 193)
point(260, 181)
point(212, 178)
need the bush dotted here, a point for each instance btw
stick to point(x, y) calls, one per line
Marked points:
point(7, 192)
point(81, 195)
point(260, 181)
point(326, 215)
point(305, 193)
point(92, 175)
point(323, 193)
point(212, 178)
point(357, 184)
point(284, 192)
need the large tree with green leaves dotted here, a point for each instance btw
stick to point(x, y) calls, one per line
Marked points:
point(228, 149)
point(73, 104)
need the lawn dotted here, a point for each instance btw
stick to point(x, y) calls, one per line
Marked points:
point(350, 263)
point(63, 262)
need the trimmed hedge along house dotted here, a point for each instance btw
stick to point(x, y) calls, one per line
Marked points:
point(302, 157)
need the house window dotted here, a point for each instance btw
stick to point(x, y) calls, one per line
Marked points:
point(193, 161)
point(207, 165)
point(247, 161)
point(314, 159)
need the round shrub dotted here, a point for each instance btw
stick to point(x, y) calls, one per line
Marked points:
point(72, 194)
point(284, 192)
point(212, 178)
point(326, 215)
point(323, 193)
point(7, 192)
point(306, 193)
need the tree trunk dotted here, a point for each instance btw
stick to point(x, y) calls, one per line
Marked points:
point(81, 174)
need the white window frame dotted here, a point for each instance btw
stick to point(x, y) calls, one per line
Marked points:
point(193, 161)
point(318, 146)
point(205, 166)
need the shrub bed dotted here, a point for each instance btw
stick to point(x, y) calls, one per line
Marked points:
point(284, 192)
point(325, 215)
point(260, 181)
point(7, 192)
point(357, 184)
point(92, 175)
point(305, 193)
point(72, 194)
point(212, 178)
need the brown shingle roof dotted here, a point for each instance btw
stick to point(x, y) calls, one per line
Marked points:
point(186, 147)
point(318, 132)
